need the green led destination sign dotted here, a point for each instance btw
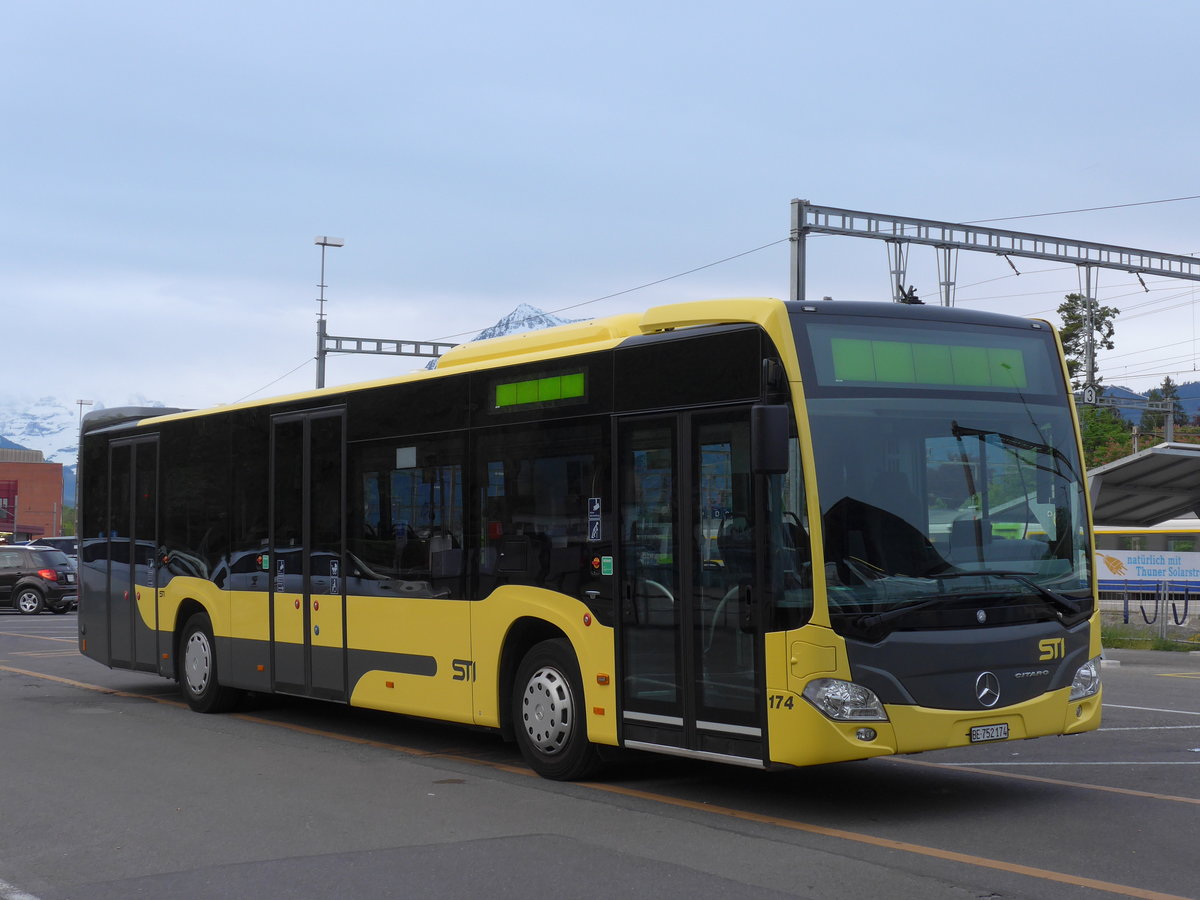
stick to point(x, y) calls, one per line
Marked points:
point(920, 363)
point(540, 390)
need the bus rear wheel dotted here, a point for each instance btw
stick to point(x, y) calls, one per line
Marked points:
point(548, 716)
point(198, 669)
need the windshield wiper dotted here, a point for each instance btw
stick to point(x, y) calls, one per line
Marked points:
point(1063, 602)
point(1011, 440)
point(866, 623)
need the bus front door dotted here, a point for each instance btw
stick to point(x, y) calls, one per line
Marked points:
point(690, 640)
point(307, 558)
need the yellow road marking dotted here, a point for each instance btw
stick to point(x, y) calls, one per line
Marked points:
point(98, 688)
point(789, 824)
point(1179, 674)
point(887, 843)
point(39, 637)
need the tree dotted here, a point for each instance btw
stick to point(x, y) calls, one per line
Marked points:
point(1106, 436)
point(1153, 420)
point(1073, 311)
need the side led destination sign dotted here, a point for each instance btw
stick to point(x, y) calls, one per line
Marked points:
point(540, 390)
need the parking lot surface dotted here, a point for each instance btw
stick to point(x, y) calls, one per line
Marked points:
point(113, 788)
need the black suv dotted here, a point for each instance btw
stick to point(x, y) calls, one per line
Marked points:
point(33, 579)
point(67, 545)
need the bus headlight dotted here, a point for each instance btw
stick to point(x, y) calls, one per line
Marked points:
point(844, 701)
point(1087, 680)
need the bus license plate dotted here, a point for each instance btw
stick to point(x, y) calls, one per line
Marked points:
point(981, 733)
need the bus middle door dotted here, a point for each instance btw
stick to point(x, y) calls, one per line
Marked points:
point(307, 559)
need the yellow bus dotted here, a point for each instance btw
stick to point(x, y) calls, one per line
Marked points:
point(749, 531)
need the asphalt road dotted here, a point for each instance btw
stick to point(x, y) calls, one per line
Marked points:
point(112, 788)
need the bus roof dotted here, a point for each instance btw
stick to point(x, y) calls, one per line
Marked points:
point(591, 335)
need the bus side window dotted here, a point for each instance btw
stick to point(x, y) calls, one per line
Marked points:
point(406, 525)
point(534, 489)
point(791, 569)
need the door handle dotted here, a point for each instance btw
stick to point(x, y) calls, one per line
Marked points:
point(746, 611)
point(628, 609)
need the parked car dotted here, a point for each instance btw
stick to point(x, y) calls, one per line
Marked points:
point(37, 578)
point(68, 545)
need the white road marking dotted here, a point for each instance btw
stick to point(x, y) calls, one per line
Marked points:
point(1178, 712)
point(977, 765)
point(1152, 728)
point(8, 892)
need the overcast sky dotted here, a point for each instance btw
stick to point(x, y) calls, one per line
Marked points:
point(166, 167)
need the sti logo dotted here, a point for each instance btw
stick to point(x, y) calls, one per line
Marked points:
point(1052, 648)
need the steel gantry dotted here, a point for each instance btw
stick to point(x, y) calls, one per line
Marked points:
point(948, 238)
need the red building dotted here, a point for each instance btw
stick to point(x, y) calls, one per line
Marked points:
point(30, 496)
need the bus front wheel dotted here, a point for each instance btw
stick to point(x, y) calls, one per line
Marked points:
point(198, 670)
point(548, 713)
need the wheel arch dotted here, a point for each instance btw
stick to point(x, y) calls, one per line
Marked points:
point(187, 608)
point(29, 583)
point(525, 633)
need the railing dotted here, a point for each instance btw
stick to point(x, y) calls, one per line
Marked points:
point(1160, 604)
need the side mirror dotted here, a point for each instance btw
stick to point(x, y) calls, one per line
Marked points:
point(770, 428)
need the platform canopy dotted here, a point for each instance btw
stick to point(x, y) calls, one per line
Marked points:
point(1160, 483)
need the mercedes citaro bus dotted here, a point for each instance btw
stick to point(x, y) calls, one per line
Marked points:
point(749, 531)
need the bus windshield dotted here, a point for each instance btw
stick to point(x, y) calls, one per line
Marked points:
point(950, 486)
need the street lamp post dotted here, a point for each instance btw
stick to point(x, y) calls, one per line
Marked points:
point(323, 241)
point(81, 404)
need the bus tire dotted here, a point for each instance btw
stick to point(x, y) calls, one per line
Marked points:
point(198, 669)
point(548, 713)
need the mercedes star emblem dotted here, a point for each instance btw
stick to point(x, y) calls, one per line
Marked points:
point(987, 689)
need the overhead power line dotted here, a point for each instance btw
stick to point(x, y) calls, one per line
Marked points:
point(643, 286)
point(1067, 212)
point(785, 240)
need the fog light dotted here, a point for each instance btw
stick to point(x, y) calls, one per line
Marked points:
point(1079, 712)
point(865, 734)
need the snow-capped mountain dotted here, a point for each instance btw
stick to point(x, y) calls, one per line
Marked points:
point(523, 318)
point(52, 426)
point(45, 424)
point(48, 424)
